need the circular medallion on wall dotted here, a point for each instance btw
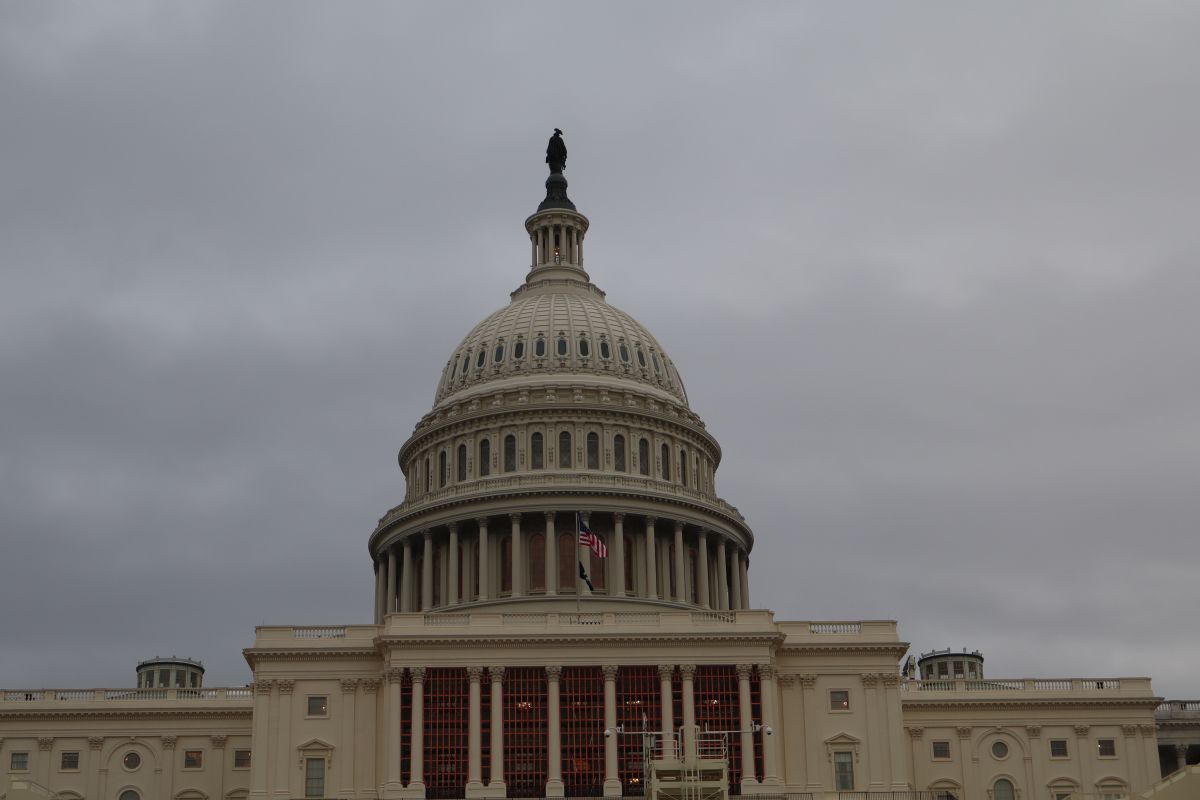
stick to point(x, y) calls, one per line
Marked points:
point(132, 760)
point(999, 750)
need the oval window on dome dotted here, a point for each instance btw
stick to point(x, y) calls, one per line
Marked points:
point(623, 351)
point(605, 352)
point(519, 350)
point(539, 348)
point(657, 368)
point(481, 357)
point(499, 356)
point(641, 358)
point(584, 348)
point(562, 345)
point(466, 362)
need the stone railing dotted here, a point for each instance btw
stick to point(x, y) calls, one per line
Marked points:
point(915, 689)
point(542, 481)
point(1178, 709)
point(755, 622)
point(21, 697)
point(838, 631)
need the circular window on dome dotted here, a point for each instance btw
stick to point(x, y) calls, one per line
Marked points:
point(641, 358)
point(519, 350)
point(584, 348)
point(605, 352)
point(999, 750)
point(539, 348)
point(132, 760)
point(623, 351)
point(562, 345)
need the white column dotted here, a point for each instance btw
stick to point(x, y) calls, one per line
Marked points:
point(485, 572)
point(427, 573)
point(735, 581)
point(259, 742)
point(380, 588)
point(391, 580)
point(474, 730)
point(666, 701)
point(346, 772)
point(496, 781)
point(745, 725)
point(702, 565)
point(518, 557)
point(452, 589)
point(743, 566)
point(651, 570)
point(554, 782)
point(406, 578)
point(612, 779)
point(283, 755)
point(551, 555)
point(722, 578)
point(687, 673)
point(416, 755)
point(617, 585)
point(770, 722)
point(391, 738)
point(813, 717)
point(680, 561)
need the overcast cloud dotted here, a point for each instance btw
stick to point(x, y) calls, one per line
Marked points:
point(929, 271)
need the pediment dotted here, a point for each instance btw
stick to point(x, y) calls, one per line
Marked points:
point(843, 738)
point(315, 744)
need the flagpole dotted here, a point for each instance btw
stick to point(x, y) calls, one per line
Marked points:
point(578, 565)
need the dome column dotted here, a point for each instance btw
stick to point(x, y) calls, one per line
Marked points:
point(427, 572)
point(702, 556)
point(617, 587)
point(406, 579)
point(391, 581)
point(380, 588)
point(744, 566)
point(452, 592)
point(735, 579)
point(551, 557)
point(518, 557)
point(482, 564)
point(722, 579)
point(680, 583)
point(651, 569)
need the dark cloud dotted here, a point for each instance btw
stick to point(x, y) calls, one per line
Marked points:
point(928, 272)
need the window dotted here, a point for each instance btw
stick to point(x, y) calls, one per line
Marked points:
point(466, 362)
point(665, 455)
point(1002, 789)
point(593, 451)
point(314, 777)
point(539, 347)
point(193, 759)
point(537, 451)
point(461, 466)
point(70, 760)
point(518, 351)
point(941, 751)
point(241, 759)
point(18, 762)
point(1112, 792)
point(318, 705)
point(944, 794)
point(839, 700)
point(131, 760)
point(605, 352)
point(441, 469)
point(1106, 748)
point(562, 345)
point(644, 456)
point(485, 457)
point(129, 794)
point(510, 453)
point(657, 368)
point(623, 351)
point(641, 358)
point(999, 750)
point(843, 771)
point(564, 450)
point(1058, 748)
point(584, 348)
point(619, 453)
point(164, 677)
point(479, 359)
point(499, 354)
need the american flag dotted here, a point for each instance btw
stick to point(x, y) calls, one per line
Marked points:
point(589, 539)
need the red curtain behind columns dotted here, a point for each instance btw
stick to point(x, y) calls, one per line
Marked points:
point(581, 699)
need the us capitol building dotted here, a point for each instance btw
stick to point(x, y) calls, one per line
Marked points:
point(511, 657)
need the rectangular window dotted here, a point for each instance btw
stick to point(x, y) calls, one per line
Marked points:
point(843, 771)
point(318, 705)
point(941, 751)
point(193, 759)
point(839, 700)
point(70, 760)
point(1058, 748)
point(314, 777)
point(1107, 748)
point(958, 669)
point(241, 759)
point(18, 762)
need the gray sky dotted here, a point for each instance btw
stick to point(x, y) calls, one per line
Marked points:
point(928, 270)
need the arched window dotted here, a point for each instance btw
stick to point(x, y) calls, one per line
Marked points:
point(481, 357)
point(628, 566)
point(584, 349)
point(657, 368)
point(537, 451)
point(510, 453)
point(461, 466)
point(130, 794)
point(566, 561)
point(562, 345)
point(499, 355)
point(644, 456)
point(539, 347)
point(605, 352)
point(619, 453)
point(518, 350)
point(593, 451)
point(666, 462)
point(485, 458)
point(683, 467)
point(623, 351)
point(441, 468)
point(641, 358)
point(1002, 789)
point(466, 362)
point(506, 564)
point(564, 450)
point(537, 563)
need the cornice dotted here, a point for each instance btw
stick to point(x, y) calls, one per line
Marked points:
point(844, 648)
point(928, 704)
point(251, 654)
point(175, 712)
point(458, 642)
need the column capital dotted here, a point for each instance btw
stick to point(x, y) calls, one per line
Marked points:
point(394, 674)
point(47, 742)
point(263, 686)
point(349, 685)
point(807, 680)
point(963, 731)
point(453, 526)
point(890, 679)
point(1129, 730)
point(474, 674)
point(619, 516)
point(743, 671)
point(1148, 730)
point(417, 673)
point(549, 515)
point(870, 680)
point(679, 525)
point(369, 685)
point(766, 672)
point(427, 533)
point(665, 671)
point(687, 671)
point(482, 522)
point(168, 742)
point(1082, 730)
point(610, 672)
point(218, 741)
point(496, 674)
point(553, 672)
point(650, 521)
point(915, 732)
point(286, 686)
point(1033, 731)
point(95, 742)
point(515, 516)
point(1180, 749)
point(786, 679)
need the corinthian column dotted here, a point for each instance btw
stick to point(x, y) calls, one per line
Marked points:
point(702, 555)
point(391, 738)
point(406, 578)
point(617, 585)
point(666, 702)
point(554, 782)
point(496, 779)
point(770, 714)
point(416, 756)
point(651, 570)
point(452, 581)
point(474, 730)
point(485, 571)
point(551, 556)
point(687, 673)
point(722, 578)
point(612, 781)
point(746, 725)
point(680, 583)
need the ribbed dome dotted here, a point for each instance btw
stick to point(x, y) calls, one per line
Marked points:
point(549, 334)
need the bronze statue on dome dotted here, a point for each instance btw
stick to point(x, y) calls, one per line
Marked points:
point(556, 153)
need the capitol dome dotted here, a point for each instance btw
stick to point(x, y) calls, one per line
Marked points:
point(560, 414)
